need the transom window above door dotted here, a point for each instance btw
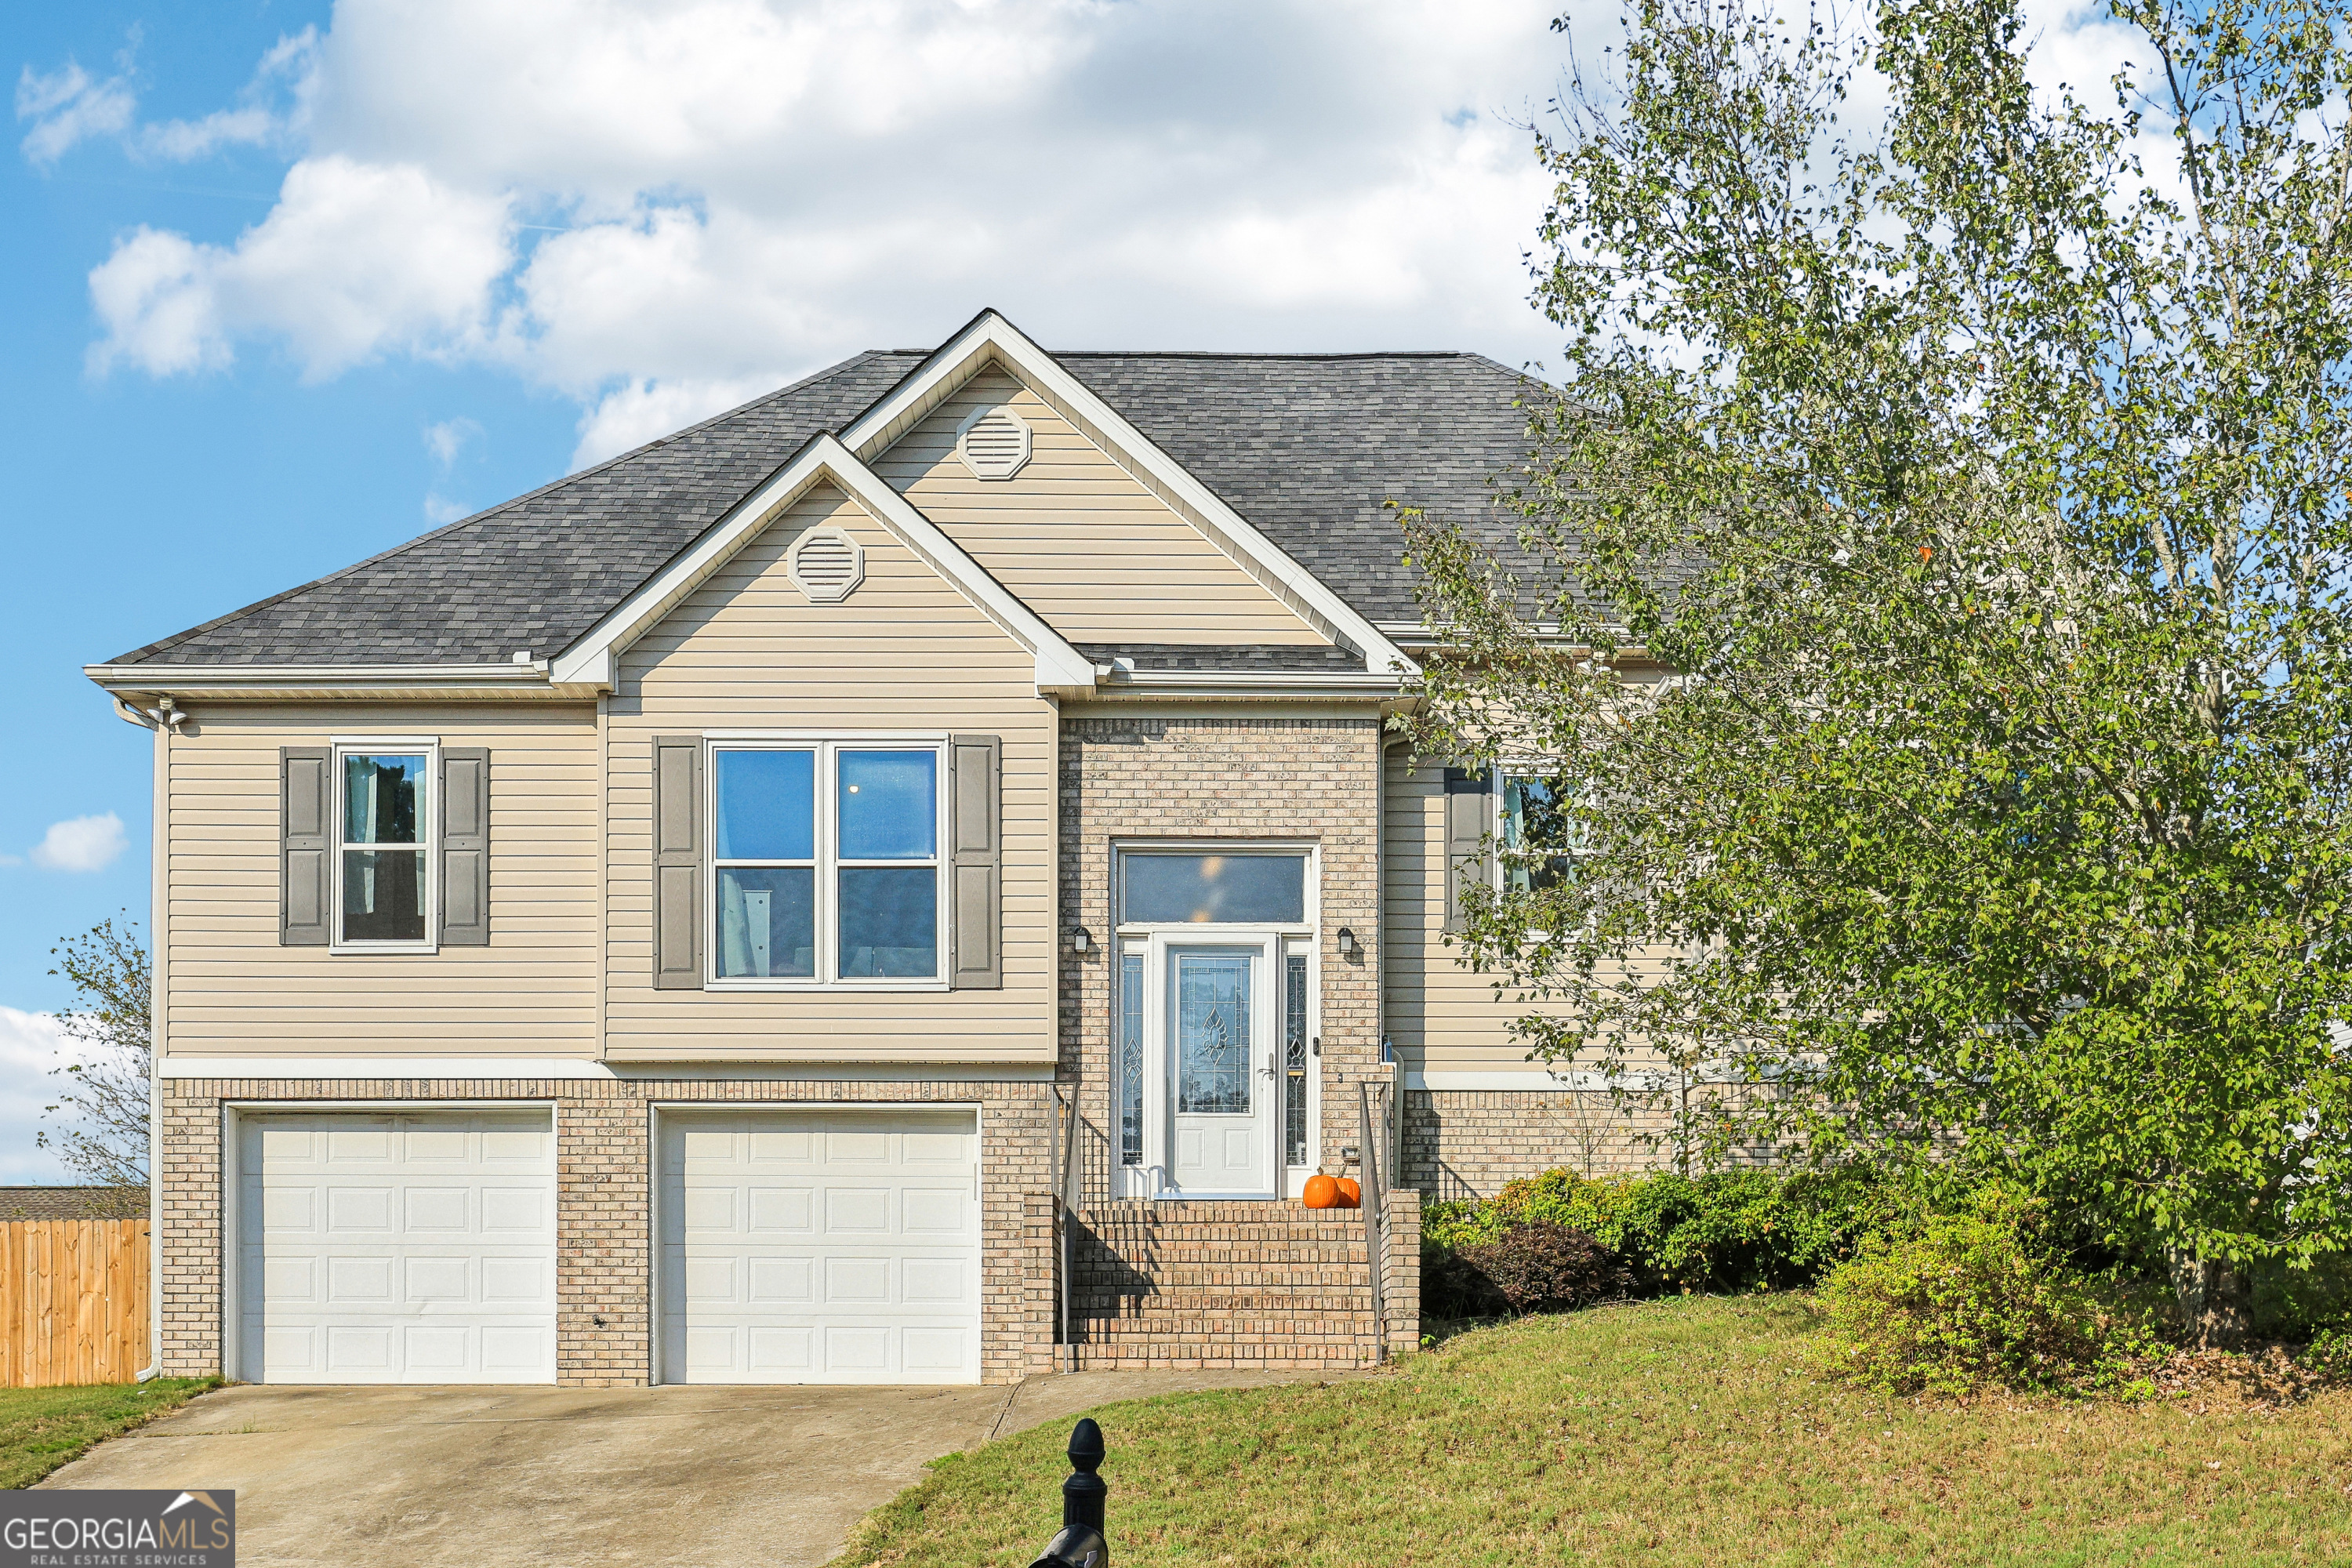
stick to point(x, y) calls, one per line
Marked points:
point(825, 865)
point(1250, 886)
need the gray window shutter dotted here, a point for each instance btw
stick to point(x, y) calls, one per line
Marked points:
point(1468, 819)
point(306, 810)
point(465, 847)
point(976, 863)
point(677, 863)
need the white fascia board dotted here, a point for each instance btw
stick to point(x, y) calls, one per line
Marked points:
point(593, 659)
point(992, 336)
point(229, 679)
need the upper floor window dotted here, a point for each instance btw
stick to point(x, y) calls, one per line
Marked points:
point(825, 863)
point(1539, 837)
point(384, 816)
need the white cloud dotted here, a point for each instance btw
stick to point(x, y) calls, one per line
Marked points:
point(288, 72)
point(741, 190)
point(68, 106)
point(355, 260)
point(81, 844)
point(449, 437)
point(657, 207)
point(439, 509)
point(31, 1044)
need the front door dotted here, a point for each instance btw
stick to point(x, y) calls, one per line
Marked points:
point(1222, 1084)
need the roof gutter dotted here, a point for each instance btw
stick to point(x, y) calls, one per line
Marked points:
point(215, 682)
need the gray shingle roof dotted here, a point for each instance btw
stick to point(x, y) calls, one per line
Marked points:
point(1308, 447)
point(1243, 656)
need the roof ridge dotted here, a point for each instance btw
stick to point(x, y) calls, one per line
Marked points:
point(1253, 354)
point(166, 644)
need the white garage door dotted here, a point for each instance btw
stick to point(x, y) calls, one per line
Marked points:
point(820, 1246)
point(397, 1249)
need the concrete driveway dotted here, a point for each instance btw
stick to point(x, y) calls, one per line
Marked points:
point(486, 1477)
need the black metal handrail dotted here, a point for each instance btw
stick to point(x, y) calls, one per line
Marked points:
point(1079, 1544)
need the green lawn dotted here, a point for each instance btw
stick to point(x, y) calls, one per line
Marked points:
point(1678, 1431)
point(41, 1428)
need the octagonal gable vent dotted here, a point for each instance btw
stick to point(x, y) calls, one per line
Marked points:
point(826, 563)
point(994, 443)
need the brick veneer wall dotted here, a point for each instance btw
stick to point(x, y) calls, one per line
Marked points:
point(1401, 1270)
point(1241, 778)
point(1465, 1144)
point(603, 1186)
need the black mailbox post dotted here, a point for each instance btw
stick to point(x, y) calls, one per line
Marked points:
point(1081, 1543)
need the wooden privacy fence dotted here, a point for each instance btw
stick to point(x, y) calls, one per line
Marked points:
point(73, 1301)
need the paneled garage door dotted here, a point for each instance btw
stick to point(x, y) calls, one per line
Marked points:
point(820, 1246)
point(380, 1248)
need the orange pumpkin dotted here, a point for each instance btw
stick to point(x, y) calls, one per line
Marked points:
point(1322, 1193)
point(1351, 1196)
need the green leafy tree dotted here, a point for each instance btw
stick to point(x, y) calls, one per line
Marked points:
point(1939, 639)
point(98, 1123)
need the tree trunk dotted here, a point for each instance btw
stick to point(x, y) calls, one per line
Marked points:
point(2217, 1302)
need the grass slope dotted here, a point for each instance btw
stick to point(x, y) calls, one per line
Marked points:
point(1678, 1431)
point(41, 1428)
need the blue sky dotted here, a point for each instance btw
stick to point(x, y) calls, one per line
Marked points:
point(291, 283)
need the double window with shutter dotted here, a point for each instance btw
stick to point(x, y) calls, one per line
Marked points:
point(383, 846)
point(856, 864)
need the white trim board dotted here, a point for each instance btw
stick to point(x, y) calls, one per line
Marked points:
point(568, 1068)
point(990, 337)
point(594, 658)
point(1526, 1080)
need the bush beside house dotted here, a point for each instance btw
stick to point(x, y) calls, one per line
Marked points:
point(1925, 1285)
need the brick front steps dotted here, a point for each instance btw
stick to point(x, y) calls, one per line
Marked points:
point(1220, 1286)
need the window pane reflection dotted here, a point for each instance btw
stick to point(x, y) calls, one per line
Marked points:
point(889, 921)
point(767, 805)
point(383, 895)
point(767, 922)
point(1204, 888)
point(381, 796)
point(889, 808)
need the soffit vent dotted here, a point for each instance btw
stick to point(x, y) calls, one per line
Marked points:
point(826, 563)
point(994, 443)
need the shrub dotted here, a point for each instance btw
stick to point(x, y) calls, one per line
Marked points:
point(1726, 1230)
point(2329, 1353)
point(1953, 1304)
point(1534, 1267)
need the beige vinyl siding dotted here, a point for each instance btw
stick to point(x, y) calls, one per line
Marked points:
point(904, 652)
point(1442, 1015)
point(1095, 555)
point(231, 990)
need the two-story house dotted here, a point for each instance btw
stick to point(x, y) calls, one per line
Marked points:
point(649, 931)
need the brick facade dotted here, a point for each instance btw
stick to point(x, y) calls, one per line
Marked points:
point(1257, 777)
point(1465, 1144)
point(603, 1153)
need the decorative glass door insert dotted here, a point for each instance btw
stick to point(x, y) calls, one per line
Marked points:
point(1224, 1114)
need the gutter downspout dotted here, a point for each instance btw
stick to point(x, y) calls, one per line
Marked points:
point(164, 724)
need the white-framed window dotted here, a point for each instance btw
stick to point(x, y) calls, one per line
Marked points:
point(825, 865)
point(1540, 839)
point(386, 818)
